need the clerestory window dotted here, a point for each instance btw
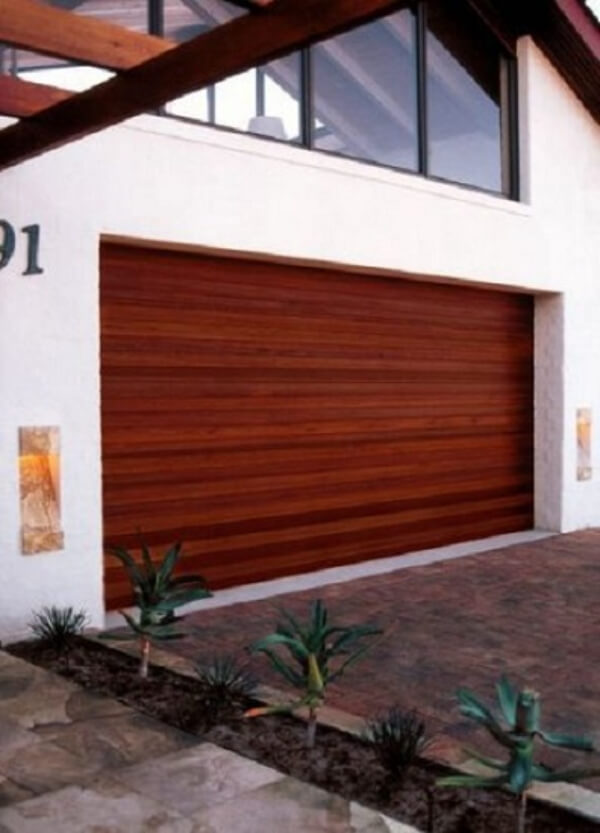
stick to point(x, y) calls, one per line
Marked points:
point(427, 89)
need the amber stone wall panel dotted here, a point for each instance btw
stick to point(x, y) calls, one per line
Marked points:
point(280, 419)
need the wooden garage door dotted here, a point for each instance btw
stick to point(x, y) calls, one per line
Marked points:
point(280, 419)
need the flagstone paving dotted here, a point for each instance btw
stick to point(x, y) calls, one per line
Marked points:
point(75, 762)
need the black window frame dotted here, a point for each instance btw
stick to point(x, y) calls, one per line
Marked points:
point(509, 132)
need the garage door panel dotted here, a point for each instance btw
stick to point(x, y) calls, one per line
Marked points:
point(324, 502)
point(130, 492)
point(228, 569)
point(281, 418)
point(215, 464)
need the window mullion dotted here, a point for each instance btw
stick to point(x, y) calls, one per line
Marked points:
point(421, 53)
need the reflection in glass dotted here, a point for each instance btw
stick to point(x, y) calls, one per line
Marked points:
point(365, 92)
point(463, 97)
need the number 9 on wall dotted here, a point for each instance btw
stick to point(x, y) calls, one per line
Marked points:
point(9, 243)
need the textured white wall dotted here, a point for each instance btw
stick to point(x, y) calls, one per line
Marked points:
point(161, 181)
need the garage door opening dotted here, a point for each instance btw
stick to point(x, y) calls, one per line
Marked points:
point(280, 419)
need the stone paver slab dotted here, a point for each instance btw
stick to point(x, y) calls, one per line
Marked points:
point(31, 696)
point(290, 806)
point(44, 767)
point(198, 777)
point(109, 742)
point(10, 792)
point(107, 807)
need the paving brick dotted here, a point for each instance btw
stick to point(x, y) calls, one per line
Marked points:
point(530, 610)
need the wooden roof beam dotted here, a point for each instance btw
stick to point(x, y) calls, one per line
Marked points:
point(31, 25)
point(22, 98)
point(245, 42)
point(251, 5)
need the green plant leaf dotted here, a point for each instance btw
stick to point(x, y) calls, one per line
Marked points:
point(180, 597)
point(296, 628)
point(168, 565)
point(285, 670)
point(279, 639)
point(347, 662)
point(148, 564)
point(491, 763)
point(568, 741)
point(135, 626)
point(507, 697)
point(136, 576)
point(471, 707)
point(520, 771)
point(471, 781)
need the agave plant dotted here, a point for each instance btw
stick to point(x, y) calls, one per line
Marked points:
point(156, 590)
point(158, 594)
point(318, 654)
point(517, 731)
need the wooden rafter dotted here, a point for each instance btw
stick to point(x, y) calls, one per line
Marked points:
point(244, 42)
point(21, 98)
point(251, 5)
point(31, 25)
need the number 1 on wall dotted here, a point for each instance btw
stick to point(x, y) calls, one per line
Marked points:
point(8, 240)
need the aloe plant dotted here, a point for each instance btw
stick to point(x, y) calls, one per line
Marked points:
point(318, 654)
point(154, 586)
point(516, 729)
point(158, 594)
point(147, 631)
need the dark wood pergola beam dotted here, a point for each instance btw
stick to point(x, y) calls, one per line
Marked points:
point(31, 25)
point(22, 98)
point(245, 42)
point(251, 5)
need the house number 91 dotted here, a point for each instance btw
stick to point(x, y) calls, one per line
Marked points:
point(8, 243)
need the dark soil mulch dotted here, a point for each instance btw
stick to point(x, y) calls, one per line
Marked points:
point(340, 763)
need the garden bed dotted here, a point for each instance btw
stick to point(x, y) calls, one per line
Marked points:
point(340, 763)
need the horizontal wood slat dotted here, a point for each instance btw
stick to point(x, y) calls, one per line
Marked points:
point(281, 419)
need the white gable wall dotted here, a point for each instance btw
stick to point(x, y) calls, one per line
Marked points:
point(158, 180)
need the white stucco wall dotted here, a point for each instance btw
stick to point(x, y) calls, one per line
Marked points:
point(163, 181)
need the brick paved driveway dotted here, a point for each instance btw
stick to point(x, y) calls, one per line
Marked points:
point(531, 610)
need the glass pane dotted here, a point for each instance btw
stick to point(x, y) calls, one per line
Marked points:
point(263, 101)
point(183, 21)
point(132, 14)
point(364, 84)
point(463, 95)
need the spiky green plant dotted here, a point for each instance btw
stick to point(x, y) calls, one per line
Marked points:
point(149, 629)
point(56, 626)
point(158, 594)
point(156, 590)
point(516, 729)
point(397, 737)
point(318, 653)
point(225, 681)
